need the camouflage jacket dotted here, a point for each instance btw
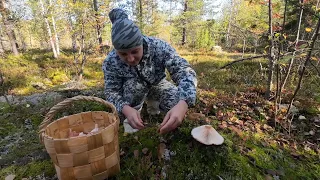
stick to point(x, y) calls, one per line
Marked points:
point(157, 56)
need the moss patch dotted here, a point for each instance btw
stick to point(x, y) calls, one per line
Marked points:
point(31, 170)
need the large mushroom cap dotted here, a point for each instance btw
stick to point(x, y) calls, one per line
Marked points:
point(207, 135)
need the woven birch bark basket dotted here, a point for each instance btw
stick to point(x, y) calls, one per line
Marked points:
point(92, 156)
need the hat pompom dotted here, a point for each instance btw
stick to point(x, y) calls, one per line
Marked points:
point(116, 14)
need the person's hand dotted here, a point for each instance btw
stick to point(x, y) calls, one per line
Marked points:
point(133, 116)
point(174, 117)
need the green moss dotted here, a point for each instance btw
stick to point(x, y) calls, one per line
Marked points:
point(30, 170)
point(4, 172)
point(241, 167)
point(312, 110)
point(6, 128)
point(35, 168)
point(36, 119)
point(58, 76)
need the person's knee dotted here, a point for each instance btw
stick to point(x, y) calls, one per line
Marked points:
point(134, 92)
point(169, 100)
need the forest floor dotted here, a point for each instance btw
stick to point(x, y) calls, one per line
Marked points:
point(231, 100)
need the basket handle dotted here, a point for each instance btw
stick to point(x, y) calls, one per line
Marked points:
point(66, 103)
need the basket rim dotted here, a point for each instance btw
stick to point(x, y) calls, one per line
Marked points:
point(45, 135)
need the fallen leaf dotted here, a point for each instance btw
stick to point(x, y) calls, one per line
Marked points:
point(272, 172)
point(307, 29)
point(10, 177)
point(161, 150)
point(312, 133)
point(145, 150)
point(122, 153)
point(223, 125)
point(267, 177)
point(136, 154)
point(267, 127)
point(240, 122)
point(234, 119)
point(258, 128)
point(136, 138)
point(237, 130)
point(302, 117)
point(220, 115)
point(196, 116)
point(208, 120)
point(295, 155)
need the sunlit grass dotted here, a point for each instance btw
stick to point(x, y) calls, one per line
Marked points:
point(21, 73)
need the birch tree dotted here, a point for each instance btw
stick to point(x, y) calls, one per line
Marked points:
point(271, 53)
point(56, 39)
point(55, 54)
point(283, 83)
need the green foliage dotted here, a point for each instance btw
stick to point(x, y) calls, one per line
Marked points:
point(190, 20)
point(205, 37)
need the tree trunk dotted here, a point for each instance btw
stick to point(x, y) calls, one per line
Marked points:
point(23, 41)
point(184, 31)
point(98, 26)
point(228, 44)
point(55, 55)
point(30, 37)
point(8, 27)
point(140, 16)
point(271, 54)
point(255, 45)
point(82, 50)
point(243, 46)
point(56, 39)
point(2, 47)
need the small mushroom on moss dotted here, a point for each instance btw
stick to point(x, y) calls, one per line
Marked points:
point(207, 135)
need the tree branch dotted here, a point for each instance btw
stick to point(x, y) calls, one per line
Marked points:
point(250, 58)
point(243, 59)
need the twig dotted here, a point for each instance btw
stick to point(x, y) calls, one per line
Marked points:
point(240, 60)
point(130, 172)
point(276, 99)
point(290, 122)
point(278, 93)
point(283, 83)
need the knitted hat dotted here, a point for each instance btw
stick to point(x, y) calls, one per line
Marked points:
point(125, 34)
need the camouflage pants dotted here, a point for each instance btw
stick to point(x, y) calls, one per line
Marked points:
point(161, 97)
